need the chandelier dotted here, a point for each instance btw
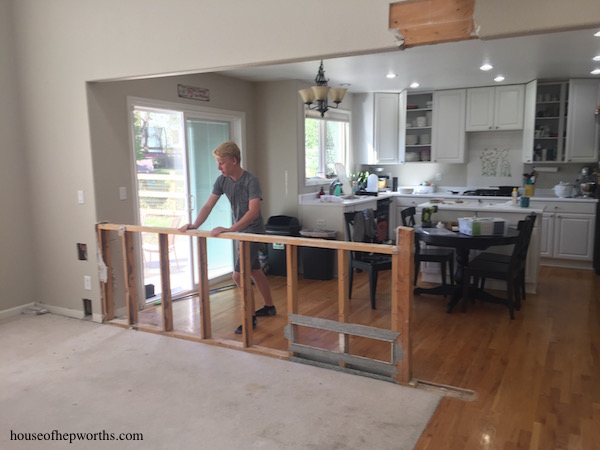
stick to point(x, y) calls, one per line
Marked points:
point(319, 94)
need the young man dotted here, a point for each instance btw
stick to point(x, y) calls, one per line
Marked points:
point(243, 192)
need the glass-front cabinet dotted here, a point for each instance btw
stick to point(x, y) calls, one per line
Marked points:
point(419, 119)
point(560, 124)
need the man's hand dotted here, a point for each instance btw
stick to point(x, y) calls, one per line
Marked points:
point(218, 230)
point(186, 227)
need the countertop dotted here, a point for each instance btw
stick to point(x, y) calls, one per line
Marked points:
point(476, 205)
point(546, 195)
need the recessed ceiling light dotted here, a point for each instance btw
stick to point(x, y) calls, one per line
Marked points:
point(414, 85)
point(486, 67)
point(595, 72)
point(391, 75)
point(596, 58)
point(499, 78)
point(597, 34)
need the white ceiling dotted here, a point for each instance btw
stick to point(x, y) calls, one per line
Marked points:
point(443, 66)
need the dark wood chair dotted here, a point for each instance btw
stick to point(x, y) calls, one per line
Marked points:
point(372, 263)
point(510, 272)
point(505, 259)
point(438, 255)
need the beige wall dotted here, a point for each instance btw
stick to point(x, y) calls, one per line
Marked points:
point(17, 258)
point(60, 45)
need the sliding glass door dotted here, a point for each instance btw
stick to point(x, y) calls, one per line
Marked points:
point(175, 173)
point(203, 136)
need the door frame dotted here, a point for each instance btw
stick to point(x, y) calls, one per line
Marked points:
point(237, 120)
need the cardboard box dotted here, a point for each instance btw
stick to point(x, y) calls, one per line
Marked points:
point(482, 226)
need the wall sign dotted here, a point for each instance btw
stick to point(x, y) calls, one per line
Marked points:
point(193, 92)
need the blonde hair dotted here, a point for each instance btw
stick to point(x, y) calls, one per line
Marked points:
point(228, 148)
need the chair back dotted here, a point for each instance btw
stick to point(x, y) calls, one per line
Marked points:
point(519, 254)
point(354, 234)
point(408, 216)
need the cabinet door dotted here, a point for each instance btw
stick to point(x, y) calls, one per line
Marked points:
point(529, 121)
point(582, 125)
point(386, 133)
point(574, 236)
point(508, 107)
point(547, 237)
point(480, 109)
point(448, 144)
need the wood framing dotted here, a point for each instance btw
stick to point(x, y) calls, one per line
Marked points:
point(398, 369)
point(422, 22)
point(165, 279)
point(130, 277)
point(203, 290)
point(108, 301)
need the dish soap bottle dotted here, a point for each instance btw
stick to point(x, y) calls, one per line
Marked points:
point(321, 192)
point(514, 196)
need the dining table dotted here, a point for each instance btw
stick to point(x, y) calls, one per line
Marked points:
point(463, 245)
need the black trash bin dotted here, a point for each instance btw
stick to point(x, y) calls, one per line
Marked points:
point(283, 226)
point(318, 263)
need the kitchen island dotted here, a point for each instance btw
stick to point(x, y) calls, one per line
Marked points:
point(450, 210)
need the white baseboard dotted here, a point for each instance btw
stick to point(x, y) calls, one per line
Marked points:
point(15, 311)
point(59, 310)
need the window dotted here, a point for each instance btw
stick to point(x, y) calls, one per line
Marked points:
point(325, 143)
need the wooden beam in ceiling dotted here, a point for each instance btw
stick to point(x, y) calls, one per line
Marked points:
point(423, 22)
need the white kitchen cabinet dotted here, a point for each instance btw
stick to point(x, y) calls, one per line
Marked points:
point(567, 232)
point(449, 135)
point(495, 108)
point(419, 121)
point(574, 236)
point(546, 242)
point(582, 124)
point(389, 127)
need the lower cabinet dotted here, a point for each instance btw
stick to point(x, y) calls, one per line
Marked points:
point(567, 233)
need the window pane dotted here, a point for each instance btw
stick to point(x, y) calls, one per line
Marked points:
point(311, 147)
point(335, 145)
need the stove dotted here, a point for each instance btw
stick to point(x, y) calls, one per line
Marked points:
point(488, 192)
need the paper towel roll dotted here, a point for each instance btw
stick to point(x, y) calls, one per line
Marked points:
point(372, 182)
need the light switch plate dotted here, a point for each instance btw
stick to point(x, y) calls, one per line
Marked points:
point(80, 197)
point(123, 193)
point(87, 282)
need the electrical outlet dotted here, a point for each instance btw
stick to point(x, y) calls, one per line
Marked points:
point(80, 197)
point(87, 282)
point(123, 193)
point(321, 222)
point(438, 176)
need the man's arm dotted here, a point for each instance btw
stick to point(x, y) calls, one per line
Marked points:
point(203, 214)
point(247, 219)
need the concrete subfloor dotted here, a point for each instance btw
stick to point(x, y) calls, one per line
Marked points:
point(76, 376)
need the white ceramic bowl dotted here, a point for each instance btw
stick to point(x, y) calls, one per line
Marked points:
point(412, 157)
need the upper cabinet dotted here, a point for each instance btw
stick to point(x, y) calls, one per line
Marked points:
point(582, 124)
point(560, 125)
point(419, 121)
point(448, 144)
point(495, 108)
point(389, 127)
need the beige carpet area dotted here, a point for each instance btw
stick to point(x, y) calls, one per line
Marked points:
point(75, 376)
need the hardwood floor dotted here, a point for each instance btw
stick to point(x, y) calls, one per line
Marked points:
point(536, 378)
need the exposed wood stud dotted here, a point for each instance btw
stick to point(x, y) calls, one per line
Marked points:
point(130, 277)
point(343, 300)
point(165, 278)
point(108, 298)
point(292, 285)
point(203, 290)
point(402, 298)
point(247, 294)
